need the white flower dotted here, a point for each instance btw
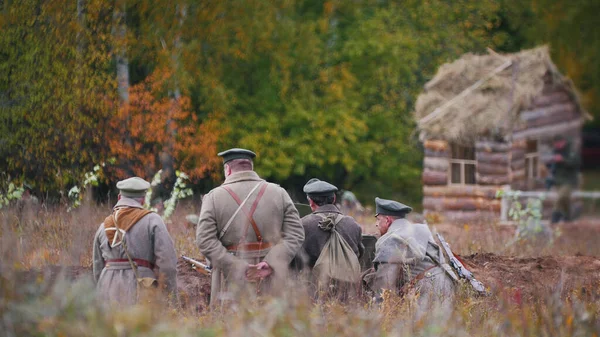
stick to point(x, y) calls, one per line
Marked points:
point(74, 192)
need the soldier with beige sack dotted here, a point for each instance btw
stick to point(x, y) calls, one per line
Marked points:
point(133, 252)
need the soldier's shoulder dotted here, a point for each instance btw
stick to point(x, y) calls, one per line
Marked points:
point(276, 188)
point(153, 217)
point(274, 185)
point(100, 229)
point(310, 219)
point(350, 222)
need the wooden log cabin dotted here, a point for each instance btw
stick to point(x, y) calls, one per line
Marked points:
point(487, 121)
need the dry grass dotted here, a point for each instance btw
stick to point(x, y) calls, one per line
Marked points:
point(36, 237)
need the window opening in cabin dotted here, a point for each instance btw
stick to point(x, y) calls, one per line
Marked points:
point(462, 165)
point(532, 161)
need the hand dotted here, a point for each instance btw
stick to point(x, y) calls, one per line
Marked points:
point(557, 158)
point(258, 271)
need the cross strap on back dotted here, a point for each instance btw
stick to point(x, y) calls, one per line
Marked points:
point(249, 214)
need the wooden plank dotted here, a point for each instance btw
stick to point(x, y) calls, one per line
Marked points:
point(552, 110)
point(436, 145)
point(518, 174)
point(437, 154)
point(436, 164)
point(553, 119)
point(462, 217)
point(464, 204)
point(492, 158)
point(487, 146)
point(461, 191)
point(550, 98)
point(549, 131)
point(517, 154)
point(492, 180)
point(517, 164)
point(519, 144)
point(494, 169)
point(434, 178)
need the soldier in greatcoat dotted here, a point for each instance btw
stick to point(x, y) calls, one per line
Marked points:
point(407, 259)
point(249, 229)
point(133, 243)
point(321, 198)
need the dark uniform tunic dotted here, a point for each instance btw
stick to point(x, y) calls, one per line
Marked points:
point(316, 238)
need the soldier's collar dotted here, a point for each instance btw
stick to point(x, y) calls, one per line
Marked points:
point(127, 202)
point(329, 208)
point(399, 223)
point(242, 176)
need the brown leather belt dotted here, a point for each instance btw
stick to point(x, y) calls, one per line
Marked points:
point(421, 275)
point(249, 246)
point(407, 286)
point(139, 262)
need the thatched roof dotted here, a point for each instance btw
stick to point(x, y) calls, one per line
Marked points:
point(483, 94)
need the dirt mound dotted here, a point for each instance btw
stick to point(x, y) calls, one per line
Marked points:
point(525, 279)
point(531, 278)
point(194, 287)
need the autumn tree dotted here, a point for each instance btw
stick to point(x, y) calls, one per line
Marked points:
point(55, 90)
point(139, 131)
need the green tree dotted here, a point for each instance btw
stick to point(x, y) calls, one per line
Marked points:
point(55, 89)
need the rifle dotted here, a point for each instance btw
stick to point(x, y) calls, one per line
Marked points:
point(460, 268)
point(198, 266)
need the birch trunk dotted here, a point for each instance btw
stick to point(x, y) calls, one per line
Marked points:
point(119, 31)
point(167, 155)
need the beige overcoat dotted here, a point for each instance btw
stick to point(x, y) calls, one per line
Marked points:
point(278, 223)
point(148, 240)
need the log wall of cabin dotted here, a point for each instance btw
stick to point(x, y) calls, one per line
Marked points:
point(435, 163)
point(455, 202)
point(552, 112)
point(518, 170)
point(493, 163)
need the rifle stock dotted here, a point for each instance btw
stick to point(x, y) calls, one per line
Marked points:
point(460, 269)
point(197, 265)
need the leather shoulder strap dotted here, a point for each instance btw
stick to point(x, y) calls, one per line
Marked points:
point(249, 214)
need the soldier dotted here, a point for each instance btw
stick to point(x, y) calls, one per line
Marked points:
point(321, 198)
point(565, 169)
point(133, 245)
point(407, 259)
point(248, 242)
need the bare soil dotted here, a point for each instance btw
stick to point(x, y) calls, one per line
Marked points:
point(529, 279)
point(573, 267)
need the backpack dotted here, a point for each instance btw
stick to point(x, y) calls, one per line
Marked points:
point(337, 260)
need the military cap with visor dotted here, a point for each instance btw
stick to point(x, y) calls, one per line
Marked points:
point(134, 187)
point(391, 208)
point(236, 153)
point(316, 188)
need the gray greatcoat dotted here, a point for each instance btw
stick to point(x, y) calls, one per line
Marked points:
point(278, 223)
point(406, 251)
point(148, 240)
point(316, 238)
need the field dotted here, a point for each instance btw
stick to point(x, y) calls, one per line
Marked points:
point(538, 288)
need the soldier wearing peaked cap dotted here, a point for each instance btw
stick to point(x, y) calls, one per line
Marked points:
point(321, 197)
point(249, 229)
point(407, 259)
point(132, 249)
